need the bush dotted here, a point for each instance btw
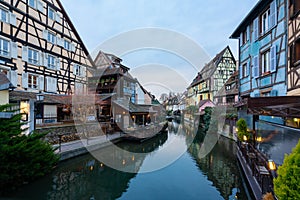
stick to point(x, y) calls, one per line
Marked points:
point(23, 158)
point(287, 184)
point(242, 129)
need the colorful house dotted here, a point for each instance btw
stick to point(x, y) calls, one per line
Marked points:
point(212, 77)
point(262, 54)
point(42, 54)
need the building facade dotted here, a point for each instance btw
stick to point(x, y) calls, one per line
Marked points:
point(212, 77)
point(293, 73)
point(263, 53)
point(41, 53)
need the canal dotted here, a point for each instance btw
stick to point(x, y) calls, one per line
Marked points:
point(160, 173)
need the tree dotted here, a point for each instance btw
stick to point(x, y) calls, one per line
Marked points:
point(287, 184)
point(242, 129)
point(22, 157)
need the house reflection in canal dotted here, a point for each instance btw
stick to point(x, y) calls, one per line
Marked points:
point(220, 166)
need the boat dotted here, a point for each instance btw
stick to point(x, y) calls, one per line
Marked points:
point(141, 134)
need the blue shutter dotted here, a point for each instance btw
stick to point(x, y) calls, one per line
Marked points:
point(255, 29)
point(241, 71)
point(273, 14)
point(248, 68)
point(255, 67)
point(241, 39)
point(273, 59)
point(248, 33)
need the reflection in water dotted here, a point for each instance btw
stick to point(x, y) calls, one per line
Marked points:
point(212, 177)
point(220, 165)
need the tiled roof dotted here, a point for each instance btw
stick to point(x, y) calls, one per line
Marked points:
point(5, 84)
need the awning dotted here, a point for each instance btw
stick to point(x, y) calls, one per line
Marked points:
point(280, 106)
point(133, 108)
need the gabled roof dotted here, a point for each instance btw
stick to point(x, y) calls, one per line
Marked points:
point(76, 33)
point(256, 10)
point(208, 70)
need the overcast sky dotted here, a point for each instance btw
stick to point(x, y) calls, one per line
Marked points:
point(207, 23)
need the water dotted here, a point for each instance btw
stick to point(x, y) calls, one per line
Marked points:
point(215, 176)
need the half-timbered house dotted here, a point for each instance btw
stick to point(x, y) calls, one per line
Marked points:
point(262, 54)
point(41, 53)
point(212, 77)
point(294, 48)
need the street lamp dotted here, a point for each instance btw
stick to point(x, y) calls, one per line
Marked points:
point(272, 165)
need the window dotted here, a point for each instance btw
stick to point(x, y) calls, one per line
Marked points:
point(264, 22)
point(80, 71)
point(32, 3)
point(244, 70)
point(51, 37)
point(295, 53)
point(294, 7)
point(51, 13)
point(51, 62)
point(265, 62)
point(33, 56)
point(32, 81)
point(4, 15)
point(67, 45)
point(4, 47)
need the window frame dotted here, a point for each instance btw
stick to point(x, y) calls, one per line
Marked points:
point(264, 27)
point(32, 78)
point(244, 70)
point(263, 60)
point(68, 47)
point(52, 10)
point(51, 37)
point(2, 51)
point(3, 10)
point(34, 3)
point(51, 65)
point(31, 58)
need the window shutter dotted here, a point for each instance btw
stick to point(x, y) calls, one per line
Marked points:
point(45, 34)
point(12, 19)
point(75, 68)
point(57, 17)
point(54, 84)
point(13, 77)
point(47, 83)
point(41, 83)
point(60, 41)
point(14, 50)
point(83, 71)
point(273, 59)
point(255, 28)
point(40, 58)
point(255, 67)
point(241, 39)
point(248, 68)
point(24, 80)
point(45, 59)
point(25, 53)
point(273, 14)
point(40, 6)
point(241, 71)
point(57, 63)
point(72, 47)
point(248, 33)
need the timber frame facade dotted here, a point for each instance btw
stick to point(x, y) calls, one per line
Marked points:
point(263, 53)
point(212, 77)
point(41, 51)
point(293, 73)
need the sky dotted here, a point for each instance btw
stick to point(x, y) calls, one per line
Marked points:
point(163, 42)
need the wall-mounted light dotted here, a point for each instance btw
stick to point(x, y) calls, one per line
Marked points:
point(259, 139)
point(245, 138)
point(272, 165)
